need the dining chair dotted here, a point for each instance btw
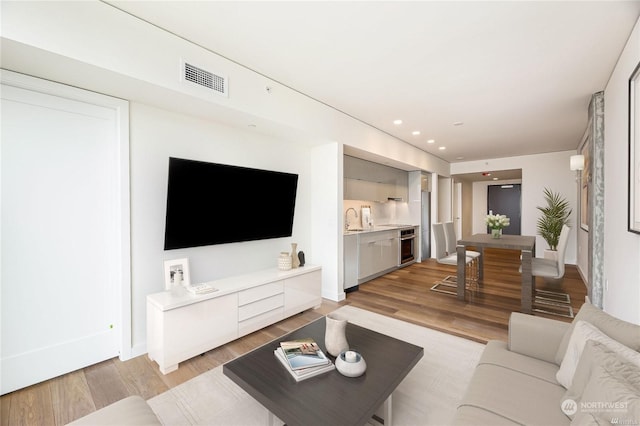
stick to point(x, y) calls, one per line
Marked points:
point(452, 242)
point(444, 258)
point(552, 269)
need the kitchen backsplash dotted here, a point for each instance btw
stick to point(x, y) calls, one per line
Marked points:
point(392, 212)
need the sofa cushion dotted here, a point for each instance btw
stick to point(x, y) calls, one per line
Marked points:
point(497, 353)
point(625, 332)
point(537, 337)
point(582, 332)
point(515, 396)
point(612, 395)
point(594, 354)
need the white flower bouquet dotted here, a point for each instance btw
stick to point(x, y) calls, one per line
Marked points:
point(497, 221)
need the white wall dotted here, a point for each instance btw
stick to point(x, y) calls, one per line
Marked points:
point(538, 172)
point(156, 135)
point(445, 199)
point(621, 248)
point(326, 217)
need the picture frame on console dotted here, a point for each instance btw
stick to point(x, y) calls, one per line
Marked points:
point(634, 151)
point(176, 272)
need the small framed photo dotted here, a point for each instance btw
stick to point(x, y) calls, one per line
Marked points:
point(176, 272)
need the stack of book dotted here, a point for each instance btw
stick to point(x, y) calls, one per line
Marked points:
point(303, 358)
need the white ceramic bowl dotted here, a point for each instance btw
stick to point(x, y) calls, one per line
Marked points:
point(351, 369)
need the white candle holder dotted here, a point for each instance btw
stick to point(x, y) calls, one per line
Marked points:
point(350, 364)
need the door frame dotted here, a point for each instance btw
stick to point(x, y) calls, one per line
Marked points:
point(457, 208)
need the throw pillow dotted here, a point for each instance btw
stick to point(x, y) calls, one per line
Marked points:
point(625, 332)
point(593, 355)
point(582, 332)
point(612, 396)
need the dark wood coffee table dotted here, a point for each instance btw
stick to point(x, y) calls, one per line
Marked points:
point(330, 398)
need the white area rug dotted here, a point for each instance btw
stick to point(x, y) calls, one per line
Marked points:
point(429, 395)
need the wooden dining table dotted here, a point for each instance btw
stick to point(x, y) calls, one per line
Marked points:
point(525, 243)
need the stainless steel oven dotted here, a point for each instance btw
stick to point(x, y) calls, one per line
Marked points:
point(407, 246)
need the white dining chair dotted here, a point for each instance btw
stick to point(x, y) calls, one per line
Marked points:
point(452, 242)
point(444, 258)
point(552, 269)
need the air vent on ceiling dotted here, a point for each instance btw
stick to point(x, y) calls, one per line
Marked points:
point(204, 78)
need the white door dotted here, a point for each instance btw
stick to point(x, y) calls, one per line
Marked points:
point(64, 230)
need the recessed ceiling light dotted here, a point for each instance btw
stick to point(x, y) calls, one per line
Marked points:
point(431, 141)
point(415, 132)
point(442, 148)
point(458, 123)
point(397, 122)
point(495, 178)
point(459, 158)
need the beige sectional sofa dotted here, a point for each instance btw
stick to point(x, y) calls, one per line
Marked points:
point(555, 373)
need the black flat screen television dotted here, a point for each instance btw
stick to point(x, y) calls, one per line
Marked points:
point(209, 203)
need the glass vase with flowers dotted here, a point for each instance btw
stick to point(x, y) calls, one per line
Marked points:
point(496, 222)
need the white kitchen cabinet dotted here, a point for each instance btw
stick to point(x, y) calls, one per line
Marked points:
point(389, 251)
point(181, 326)
point(378, 253)
point(369, 255)
point(365, 180)
point(358, 189)
point(350, 261)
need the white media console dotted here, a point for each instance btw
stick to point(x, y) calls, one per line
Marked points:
point(181, 326)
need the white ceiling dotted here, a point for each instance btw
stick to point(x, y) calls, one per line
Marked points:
point(518, 75)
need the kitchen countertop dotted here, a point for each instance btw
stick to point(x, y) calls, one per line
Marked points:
point(379, 228)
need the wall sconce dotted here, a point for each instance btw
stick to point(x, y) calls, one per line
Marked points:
point(576, 163)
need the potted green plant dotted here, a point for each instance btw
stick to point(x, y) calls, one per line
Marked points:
point(554, 215)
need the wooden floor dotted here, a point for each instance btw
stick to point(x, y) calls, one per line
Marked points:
point(404, 294)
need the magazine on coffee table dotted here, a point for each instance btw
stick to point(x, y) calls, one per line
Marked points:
point(302, 373)
point(303, 353)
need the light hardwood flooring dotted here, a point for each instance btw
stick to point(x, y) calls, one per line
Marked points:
point(404, 294)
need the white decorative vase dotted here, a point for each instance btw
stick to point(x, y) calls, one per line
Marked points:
point(295, 262)
point(335, 338)
point(284, 261)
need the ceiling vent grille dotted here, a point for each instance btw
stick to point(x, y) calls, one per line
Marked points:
point(205, 78)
